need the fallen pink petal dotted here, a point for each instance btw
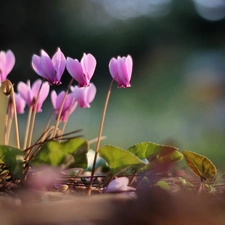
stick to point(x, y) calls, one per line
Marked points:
point(119, 184)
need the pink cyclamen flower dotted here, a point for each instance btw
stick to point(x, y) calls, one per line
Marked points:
point(50, 69)
point(82, 71)
point(68, 107)
point(29, 94)
point(119, 184)
point(20, 105)
point(121, 70)
point(84, 95)
point(7, 62)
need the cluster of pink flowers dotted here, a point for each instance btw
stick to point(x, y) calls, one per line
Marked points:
point(52, 69)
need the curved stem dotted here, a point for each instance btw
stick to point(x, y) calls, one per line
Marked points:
point(8, 89)
point(61, 108)
point(99, 136)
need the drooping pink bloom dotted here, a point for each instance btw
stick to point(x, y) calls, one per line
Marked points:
point(50, 69)
point(84, 95)
point(68, 107)
point(7, 62)
point(20, 105)
point(29, 94)
point(121, 70)
point(82, 71)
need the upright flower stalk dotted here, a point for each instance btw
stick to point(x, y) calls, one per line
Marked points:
point(61, 109)
point(51, 70)
point(99, 135)
point(81, 72)
point(121, 70)
point(34, 96)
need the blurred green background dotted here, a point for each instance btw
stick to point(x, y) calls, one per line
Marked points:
point(178, 48)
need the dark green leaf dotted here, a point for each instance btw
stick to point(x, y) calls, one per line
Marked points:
point(200, 165)
point(151, 151)
point(13, 158)
point(167, 159)
point(119, 159)
point(72, 152)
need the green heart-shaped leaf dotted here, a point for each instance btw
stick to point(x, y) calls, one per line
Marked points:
point(13, 158)
point(150, 150)
point(57, 153)
point(156, 154)
point(200, 165)
point(119, 159)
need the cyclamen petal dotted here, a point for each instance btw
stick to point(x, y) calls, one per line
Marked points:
point(53, 98)
point(129, 66)
point(10, 61)
point(68, 107)
point(59, 63)
point(47, 66)
point(36, 64)
point(82, 71)
point(84, 95)
point(29, 94)
point(121, 70)
point(113, 68)
point(43, 94)
point(75, 70)
point(50, 69)
point(20, 105)
point(91, 92)
point(25, 92)
point(88, 64)
point(7, 62)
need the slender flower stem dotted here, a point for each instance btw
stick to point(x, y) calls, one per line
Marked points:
point(27, 127)
point(6, 128)
point(34, 115)
point(99, 136)
point(9, 130)
point(46, 130)
point(61, 108)
point(95, 140)
point(63, 128)
point(65, 123)
point(15, 118)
